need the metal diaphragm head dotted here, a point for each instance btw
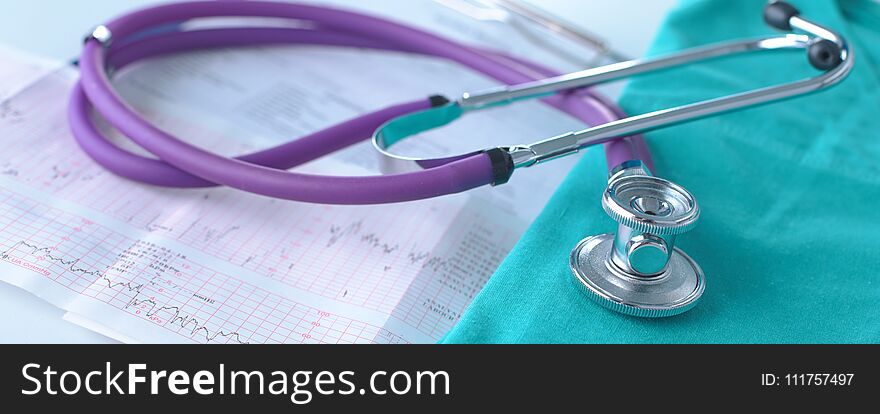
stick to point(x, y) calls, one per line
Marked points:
point(639, 271)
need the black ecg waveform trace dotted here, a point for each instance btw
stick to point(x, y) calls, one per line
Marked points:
point(182, 320)
point(424, 259)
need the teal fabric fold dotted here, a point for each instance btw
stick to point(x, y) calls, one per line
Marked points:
point(789, 237)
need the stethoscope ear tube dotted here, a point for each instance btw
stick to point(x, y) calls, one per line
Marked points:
point(637, 271)
point(826, 51)
point(181, 164)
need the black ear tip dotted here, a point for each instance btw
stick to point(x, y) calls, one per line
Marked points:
point(779, 13)
point(824, 54)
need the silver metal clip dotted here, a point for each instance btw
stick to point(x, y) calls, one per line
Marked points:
point(542, 151)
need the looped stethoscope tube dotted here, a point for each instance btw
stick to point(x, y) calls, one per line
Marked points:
point(132, 37)
point(637, 271)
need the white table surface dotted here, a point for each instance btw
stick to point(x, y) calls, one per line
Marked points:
point(54, 29)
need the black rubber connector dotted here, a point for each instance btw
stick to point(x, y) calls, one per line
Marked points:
point(502, 165)
point(824, 54)
point(779, 13)
point(438, 100)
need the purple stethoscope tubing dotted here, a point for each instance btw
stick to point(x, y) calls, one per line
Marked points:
point(183, 165)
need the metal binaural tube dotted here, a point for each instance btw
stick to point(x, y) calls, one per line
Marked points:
point(616, 71)
point(827, 51)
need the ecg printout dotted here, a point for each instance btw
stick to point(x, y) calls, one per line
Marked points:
point(221, 266)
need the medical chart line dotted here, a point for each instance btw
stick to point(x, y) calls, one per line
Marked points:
point(47, 253)
point(183, 320)
point(436, 263)
point(208, 234)
point(385, 267)
point(186, 320)
point(137, 289)
point(424, 259)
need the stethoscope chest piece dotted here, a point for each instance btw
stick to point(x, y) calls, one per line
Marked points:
point(638, 271)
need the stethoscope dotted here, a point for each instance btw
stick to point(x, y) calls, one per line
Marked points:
point(637, 271)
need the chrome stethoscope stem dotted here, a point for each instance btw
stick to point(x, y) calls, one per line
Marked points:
point(620, 70)
point(572, 142)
